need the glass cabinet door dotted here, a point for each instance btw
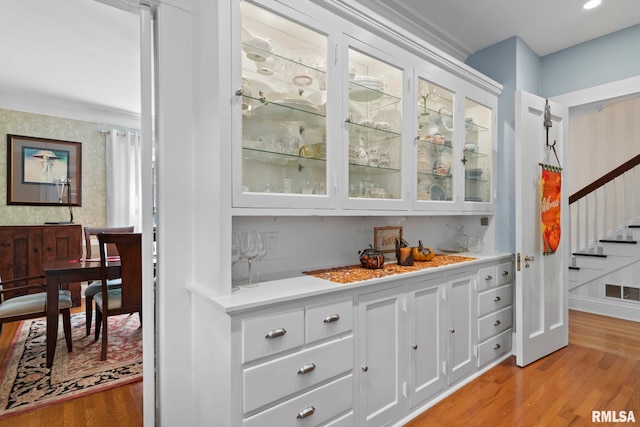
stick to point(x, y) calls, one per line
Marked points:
point(284, 95)
point(374, 130)
point(477, 152)
point(436, 168)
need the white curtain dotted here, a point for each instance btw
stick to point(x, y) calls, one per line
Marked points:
point(124, 189)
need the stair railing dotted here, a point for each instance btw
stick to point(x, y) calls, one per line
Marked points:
point(604, 209)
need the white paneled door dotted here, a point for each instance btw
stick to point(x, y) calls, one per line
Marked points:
point(541, 280)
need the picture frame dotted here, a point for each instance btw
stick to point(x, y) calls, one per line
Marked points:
point(384, 238)
point(43, 172)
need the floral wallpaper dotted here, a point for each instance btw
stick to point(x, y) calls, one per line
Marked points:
point(93, 209)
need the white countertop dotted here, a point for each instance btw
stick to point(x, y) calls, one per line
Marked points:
point(304, 286)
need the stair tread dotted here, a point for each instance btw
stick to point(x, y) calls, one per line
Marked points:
point(619, 241)
point(590, 254)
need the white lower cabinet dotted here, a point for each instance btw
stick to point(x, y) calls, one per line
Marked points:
point(297, 365)
point(413, 340)
point(368, 356)
point(380, 349)
point(495, 312)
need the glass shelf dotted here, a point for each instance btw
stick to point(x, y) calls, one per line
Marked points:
point(277, 157)
point(287, 110)
point(361, 93)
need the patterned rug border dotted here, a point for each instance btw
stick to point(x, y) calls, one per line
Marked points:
point(11, 362)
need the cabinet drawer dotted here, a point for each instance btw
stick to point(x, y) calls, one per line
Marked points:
point(493, 300)
point(278, 378)
point(309, 409)
point(504, 273)
point(266, 335)
point(497, 346)
point(495, 323)
point(486, 278)
point(327, 320)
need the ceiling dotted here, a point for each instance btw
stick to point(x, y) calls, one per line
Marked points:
point(86, 52)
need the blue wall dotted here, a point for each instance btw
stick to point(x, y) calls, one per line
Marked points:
point(513, 64)
point(607, 59)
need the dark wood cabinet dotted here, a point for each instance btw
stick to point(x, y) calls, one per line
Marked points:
point(24, 249)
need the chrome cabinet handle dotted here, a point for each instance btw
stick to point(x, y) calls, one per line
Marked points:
point(505, 273)
point(488, 277)
point(496, 323)
point(497, 346)
point(497, 299)
point(365, 368)
point(452, 330)
point(306, 412)
point(414, 346)
point(238, 92)
point(275, 333)
point(331, 318)
point(306, 368)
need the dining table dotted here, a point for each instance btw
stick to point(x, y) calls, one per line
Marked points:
point(60, 272)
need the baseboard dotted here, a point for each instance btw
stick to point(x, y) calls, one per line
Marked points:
point(448, 392)
point(626, 311)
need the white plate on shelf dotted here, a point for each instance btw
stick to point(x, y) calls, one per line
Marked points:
point(437, 192)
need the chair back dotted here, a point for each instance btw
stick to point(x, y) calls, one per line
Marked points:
point(129, 247)
point(94, 231)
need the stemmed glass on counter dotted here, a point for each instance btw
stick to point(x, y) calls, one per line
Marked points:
point(252, 246)
point(235, 253)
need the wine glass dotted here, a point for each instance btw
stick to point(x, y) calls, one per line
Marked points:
point(249, 248)
point(235, 254)
point(262, 252)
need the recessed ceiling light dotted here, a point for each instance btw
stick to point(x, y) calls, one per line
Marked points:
point(592, 3)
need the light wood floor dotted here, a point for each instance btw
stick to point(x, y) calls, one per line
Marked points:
point(598, 370)
point(118, 407)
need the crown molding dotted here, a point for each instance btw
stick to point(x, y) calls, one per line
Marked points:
point(68, 109)
point(417, 40)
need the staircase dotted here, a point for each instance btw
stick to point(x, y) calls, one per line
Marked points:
point(604, 269)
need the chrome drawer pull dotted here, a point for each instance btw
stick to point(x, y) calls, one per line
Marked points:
point(306, 368)
point(489, 277)
point(505, 273)
point(364, 368)
point(497, 299)
point(331, 318)
point(496, 323)
point(275, 333)
point(414, 346)
point(306, 412)
point(497, 346)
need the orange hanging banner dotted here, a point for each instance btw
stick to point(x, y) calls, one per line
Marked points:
point(550, 186)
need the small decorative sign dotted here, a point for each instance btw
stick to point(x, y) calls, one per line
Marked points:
point(384, 238)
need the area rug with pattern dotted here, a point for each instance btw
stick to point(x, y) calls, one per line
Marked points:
point(28, 384)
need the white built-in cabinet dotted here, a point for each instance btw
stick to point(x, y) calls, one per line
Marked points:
point(328, 116)
point(364, 356)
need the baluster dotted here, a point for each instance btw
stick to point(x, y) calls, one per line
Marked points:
point(614, 224)
point(625, 229)
point(578, 203)
point(570, 234)
point(587, 245)
point(596, 242)
point(634, 210)
point(606, 231)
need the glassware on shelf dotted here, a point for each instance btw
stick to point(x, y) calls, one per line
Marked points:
point(236, 253)
point(262, 252)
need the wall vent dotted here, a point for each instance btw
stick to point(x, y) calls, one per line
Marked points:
point(628, 293)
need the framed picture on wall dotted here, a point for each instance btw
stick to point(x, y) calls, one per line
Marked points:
point(43, 172)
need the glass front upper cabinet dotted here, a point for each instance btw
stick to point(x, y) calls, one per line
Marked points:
point(436, 168)
point(374, 129)
point(477, 152)
point(284, 96)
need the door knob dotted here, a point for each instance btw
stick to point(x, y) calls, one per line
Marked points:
point(527, 260)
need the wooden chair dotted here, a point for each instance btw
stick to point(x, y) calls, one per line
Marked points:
point(32, 305)
point(127, 298)
point(94, 287)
